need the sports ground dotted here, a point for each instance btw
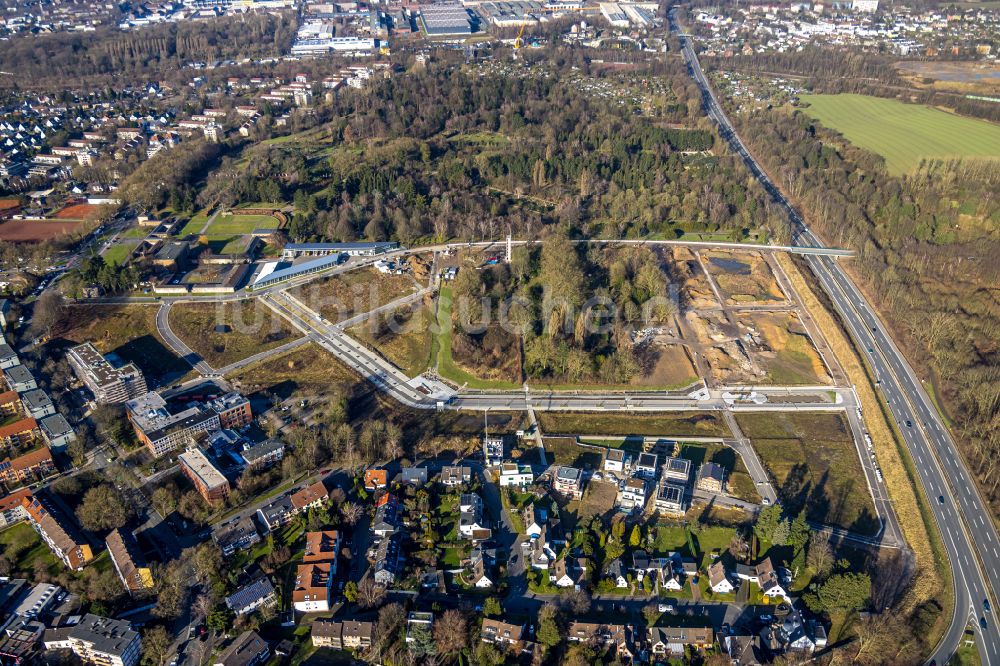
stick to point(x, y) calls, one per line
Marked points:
point(904, 133)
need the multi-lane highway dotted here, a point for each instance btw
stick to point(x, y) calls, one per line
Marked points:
point(968, 533)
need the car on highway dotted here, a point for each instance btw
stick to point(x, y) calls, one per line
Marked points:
point(940, 499)
point(909, 424)
point(986, 605)
point(982, 623)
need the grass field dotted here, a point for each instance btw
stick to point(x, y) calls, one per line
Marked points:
point(815, 464)
point(251, 329)
point(234, 225)
point(194, 225)
point(117, 253)
point(310, 367)
point(904, 133)
point(342, 296)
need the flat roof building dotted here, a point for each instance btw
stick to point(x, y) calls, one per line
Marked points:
point(440, 20)
point(99, 640)
point(162, 431)
point(57, 431)
point(37, 403)
point(19, 379)
point(206, 477)
point(295, 250)
point(109, 384)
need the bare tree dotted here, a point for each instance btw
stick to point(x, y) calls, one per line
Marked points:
point(352, 512)
point(370, 593)
point(820, 557)
point(47, 312)
point(451, 632)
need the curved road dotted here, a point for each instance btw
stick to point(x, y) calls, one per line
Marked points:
point(967, 530)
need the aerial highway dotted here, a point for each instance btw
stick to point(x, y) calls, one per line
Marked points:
point(967, 529)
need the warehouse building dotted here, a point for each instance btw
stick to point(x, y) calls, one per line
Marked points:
point(445, 20)
point(296, 250)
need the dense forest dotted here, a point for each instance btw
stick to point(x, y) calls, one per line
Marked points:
point(489, 154)
point(928, 250)
point(572, 306)
point(72, 56)
point(840, 70)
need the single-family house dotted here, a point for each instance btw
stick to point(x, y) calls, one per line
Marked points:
point(616, 572)
point(764, 575)
point(512, 474)
point(673, 640)
point(376, 479)
point(418, 622)
point(633, 494)
point(534, 518)
point(500, 632)
point(614, 461)
point(718, 580)
point(614, 636)
point(471, 524)
point(677, 469)
point(456, 475)
point(645, 466)
point(711, 478)
point(414, 476)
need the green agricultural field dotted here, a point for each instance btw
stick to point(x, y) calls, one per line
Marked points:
point(904, 133)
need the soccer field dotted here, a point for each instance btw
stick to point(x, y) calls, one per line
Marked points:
point(233, 225)
point(904, 133)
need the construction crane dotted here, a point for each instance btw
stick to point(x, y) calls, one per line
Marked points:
point(519, 42)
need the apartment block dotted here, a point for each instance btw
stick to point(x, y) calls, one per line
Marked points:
point(98, 640)
point(161, 430)
point(233, 410)
point(206, 477)
point(58, 532)
point(31, 466)
point(129, 562)
point(108, 384)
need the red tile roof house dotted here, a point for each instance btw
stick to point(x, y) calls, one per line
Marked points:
point(311, 496)
point(376, 479)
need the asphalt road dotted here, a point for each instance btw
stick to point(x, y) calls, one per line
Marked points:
point(969, 536)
